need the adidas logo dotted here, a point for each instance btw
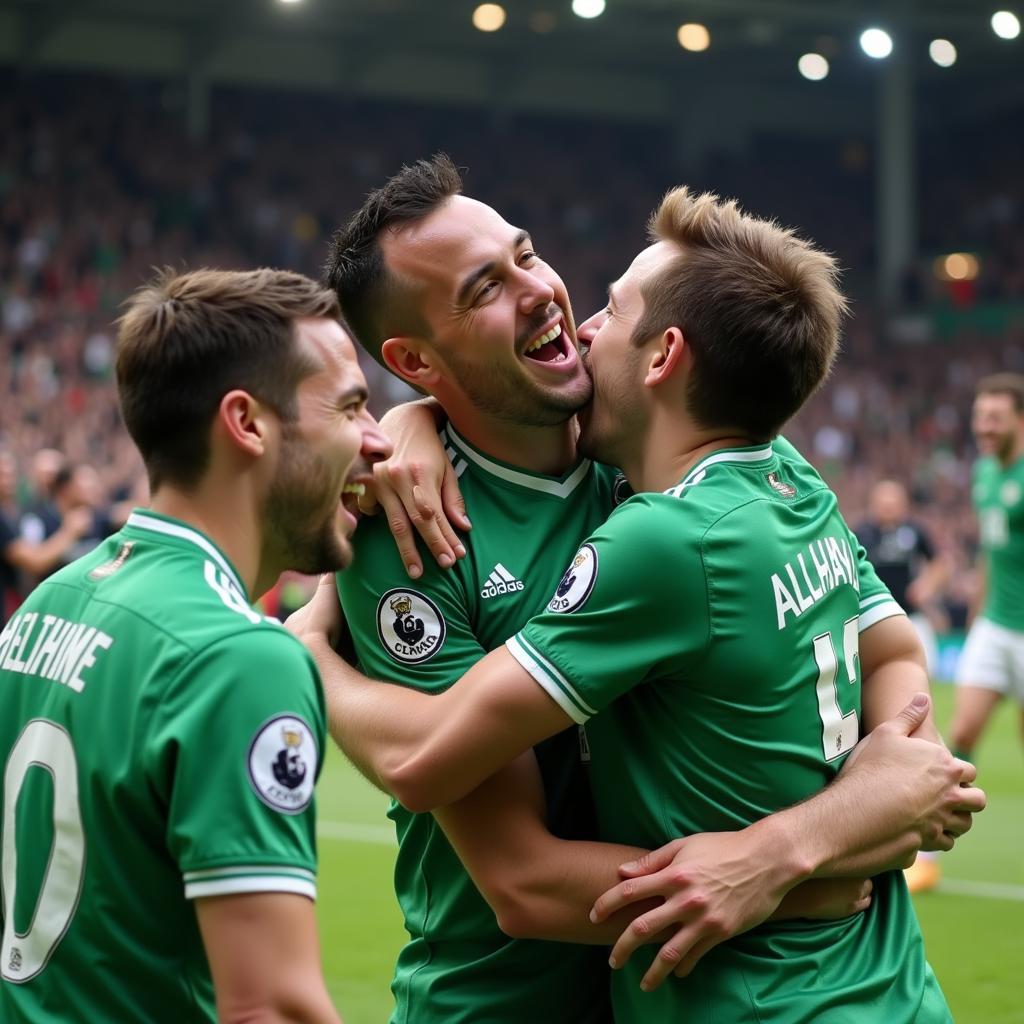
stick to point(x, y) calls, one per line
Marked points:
point(500, 581)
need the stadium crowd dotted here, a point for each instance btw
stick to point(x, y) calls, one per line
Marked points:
point(99, 183)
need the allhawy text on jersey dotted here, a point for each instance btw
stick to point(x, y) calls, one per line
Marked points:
point(831, 562)
point(58, 649)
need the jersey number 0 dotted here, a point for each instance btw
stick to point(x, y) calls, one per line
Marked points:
point(43, 745)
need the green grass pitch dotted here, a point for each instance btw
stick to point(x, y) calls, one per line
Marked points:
point(973, 925)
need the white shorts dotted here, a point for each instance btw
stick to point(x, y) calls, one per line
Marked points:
point(993, 658)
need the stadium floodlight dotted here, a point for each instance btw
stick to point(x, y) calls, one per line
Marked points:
point(1006, 24)
point(813, 66)
point(876, 43)
point(693, 37)
point(588, 8)
point(943, 52)
point(289, 1)
point(489, 17)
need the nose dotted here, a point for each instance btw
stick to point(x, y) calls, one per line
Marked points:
point(586, 330)
point(376, 445)
point(536, 292)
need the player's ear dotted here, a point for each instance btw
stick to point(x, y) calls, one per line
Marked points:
point(668, 355)
point(245, 421)
point(411, 360)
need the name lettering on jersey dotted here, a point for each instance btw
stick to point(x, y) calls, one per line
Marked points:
point(500, 581)
point(410, 626)
point(51, 648)
point(823, 566)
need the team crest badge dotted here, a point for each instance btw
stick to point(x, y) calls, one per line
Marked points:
point(282, 764)
point(780, 486)
point(410, 626)
point(1010, 493)
point(577, 582)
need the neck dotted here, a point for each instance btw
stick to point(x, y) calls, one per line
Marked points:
point(671, 446)
point(547, 450)
point(229, 518)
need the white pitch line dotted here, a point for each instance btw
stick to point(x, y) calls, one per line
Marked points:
point(986, 890)
point(383, 835)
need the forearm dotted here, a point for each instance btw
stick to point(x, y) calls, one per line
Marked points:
point(553, 898)
point(539, 886)
point(368, 729)
point(428, 750)
point(37, 559)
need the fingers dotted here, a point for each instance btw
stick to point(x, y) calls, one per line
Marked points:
point(622, 895)
point(680, 954)
point(651, 862)
point(968, 771)
point(451, 501)
point(401, 529)
point(435, 529)
point(912, 715)
point(970, 799)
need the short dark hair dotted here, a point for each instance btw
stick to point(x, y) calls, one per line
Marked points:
point(185, 340)
point(1011, 384)
point(759, 307)
point(373, 300)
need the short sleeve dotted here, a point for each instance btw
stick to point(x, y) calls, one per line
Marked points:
point(415, 632)
point(236, 751)
point(632, 605)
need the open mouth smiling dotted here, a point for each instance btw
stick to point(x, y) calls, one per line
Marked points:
point(552, 346)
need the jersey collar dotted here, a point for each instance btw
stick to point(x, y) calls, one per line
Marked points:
point(152, 522)
point(461, 453)
point(736, 456)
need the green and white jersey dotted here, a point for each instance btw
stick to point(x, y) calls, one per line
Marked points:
point(713, 631)
point(999, 500)
point(458, 967)
point(160, 741)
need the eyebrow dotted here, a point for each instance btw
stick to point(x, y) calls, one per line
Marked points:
point(356, 393)
point(477, 275)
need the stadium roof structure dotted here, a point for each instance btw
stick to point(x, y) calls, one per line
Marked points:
point(626, 64)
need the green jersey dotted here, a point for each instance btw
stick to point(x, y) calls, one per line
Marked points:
point(458, 967)
point(999, 500)
point(160, 741)
point(718, 625)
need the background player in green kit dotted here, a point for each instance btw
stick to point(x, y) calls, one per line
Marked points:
point(760, 724)
point(160, 738)
point(455, 296)
point(992, 664)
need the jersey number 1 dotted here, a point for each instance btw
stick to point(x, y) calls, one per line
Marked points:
point(45, 745)
point(839, 732)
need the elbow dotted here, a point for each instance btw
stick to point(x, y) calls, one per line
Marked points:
point(516, 912)
point(413, 785)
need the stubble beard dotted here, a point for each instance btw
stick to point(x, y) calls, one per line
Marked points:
point(300, 518)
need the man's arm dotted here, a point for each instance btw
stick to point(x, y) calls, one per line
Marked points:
point(543, 887)
point(37, 559)
point(874, 815)
point(428, 750)
point(539, 886)
point(265, 959)
point(893, 670)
